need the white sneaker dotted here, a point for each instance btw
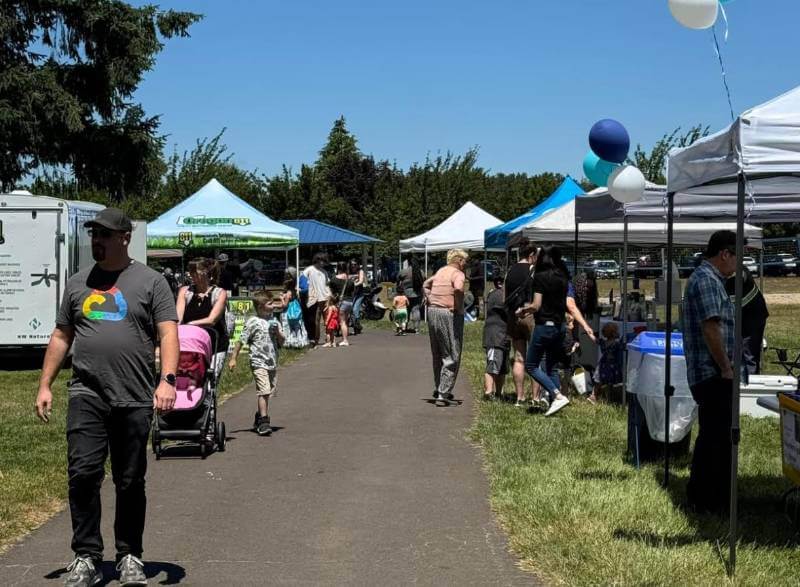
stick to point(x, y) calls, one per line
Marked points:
point(344, 343)
point(557, 405)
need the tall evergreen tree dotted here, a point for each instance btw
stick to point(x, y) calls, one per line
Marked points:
point(68, 72)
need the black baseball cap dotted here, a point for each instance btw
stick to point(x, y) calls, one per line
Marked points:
point(112, 219)
point(722, 240)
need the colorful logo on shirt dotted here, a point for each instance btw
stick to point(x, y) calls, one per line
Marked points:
point(98, 298)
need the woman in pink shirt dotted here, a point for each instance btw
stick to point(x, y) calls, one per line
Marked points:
point(444, 295)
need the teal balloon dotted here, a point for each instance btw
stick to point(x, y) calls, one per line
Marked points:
point(597, 170)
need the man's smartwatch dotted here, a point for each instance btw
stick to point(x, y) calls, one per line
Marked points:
point(170, 378)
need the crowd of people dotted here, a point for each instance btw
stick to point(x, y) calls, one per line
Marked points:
point(533, 317)
point(114, 314)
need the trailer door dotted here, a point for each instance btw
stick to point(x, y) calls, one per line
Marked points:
point(31, 276)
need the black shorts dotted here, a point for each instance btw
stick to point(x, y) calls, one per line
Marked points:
point(496, 361)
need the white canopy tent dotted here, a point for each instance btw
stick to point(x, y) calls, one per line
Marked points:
point(559, 226)
point(464, 229)
point(754, 163)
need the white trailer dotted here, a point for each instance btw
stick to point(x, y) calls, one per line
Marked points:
point(42, 243)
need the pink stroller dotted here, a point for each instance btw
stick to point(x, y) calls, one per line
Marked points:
point(194, 416)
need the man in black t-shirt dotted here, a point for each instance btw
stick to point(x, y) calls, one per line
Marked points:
point(519, 292)
point(754, 318)
point(111, 315)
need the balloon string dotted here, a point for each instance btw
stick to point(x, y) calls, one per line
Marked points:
point(725, 18)
point(724, 75)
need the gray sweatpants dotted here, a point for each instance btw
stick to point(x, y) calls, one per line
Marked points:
point(446, 331)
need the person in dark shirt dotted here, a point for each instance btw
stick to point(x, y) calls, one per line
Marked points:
point(229, 274)
point(754, 319)
point(495, 341)
point(519, 292)
point(112, 316)
point(549, 307)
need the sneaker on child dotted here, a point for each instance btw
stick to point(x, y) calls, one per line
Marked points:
point(264, 428)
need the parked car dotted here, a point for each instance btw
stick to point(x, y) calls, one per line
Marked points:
point(779, 265)
point(603, 268)
point(647, 268)
point(750, 264)
point(687, 265)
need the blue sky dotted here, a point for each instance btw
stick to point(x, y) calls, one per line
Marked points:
point(522, 80)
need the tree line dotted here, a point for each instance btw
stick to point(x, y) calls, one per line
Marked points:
point(69, 127)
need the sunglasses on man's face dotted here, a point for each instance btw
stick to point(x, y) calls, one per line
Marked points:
point(100, 233)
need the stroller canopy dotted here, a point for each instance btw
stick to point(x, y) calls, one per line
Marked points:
point(194, 339)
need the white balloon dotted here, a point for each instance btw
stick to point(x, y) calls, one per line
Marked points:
point(695, 14)
point(626, 184)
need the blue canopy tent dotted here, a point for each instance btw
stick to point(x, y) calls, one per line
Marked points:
point(314, 232)
point(497, 237)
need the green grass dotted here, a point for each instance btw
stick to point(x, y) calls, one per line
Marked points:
point(33, 456)
point(577, 513)
point(772, 285)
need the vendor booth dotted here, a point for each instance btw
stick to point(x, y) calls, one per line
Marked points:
point(314, 233)
point(215, 218)
point(496, 238)
point(749, 171)
point(464, 229)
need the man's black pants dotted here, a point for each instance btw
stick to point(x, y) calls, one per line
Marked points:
point(94, 427)
point(709, 482)
point(313, 318)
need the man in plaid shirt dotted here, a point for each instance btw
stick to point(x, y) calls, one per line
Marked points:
point(708, 341)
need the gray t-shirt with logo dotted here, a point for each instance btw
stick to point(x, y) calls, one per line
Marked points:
point(114, 315)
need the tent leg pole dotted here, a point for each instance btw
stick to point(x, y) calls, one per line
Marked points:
point(485, 275)
point(737, 379)
point(575, 252)
point(297, 261)
point(624, 309)
point(668, 389)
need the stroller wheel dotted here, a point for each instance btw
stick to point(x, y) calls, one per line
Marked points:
point(221, 436)
point(203, 449)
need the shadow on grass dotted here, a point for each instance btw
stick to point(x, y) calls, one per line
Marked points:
point(762, 515)
point(657, 540)
point(175, 574)
point(600, 475)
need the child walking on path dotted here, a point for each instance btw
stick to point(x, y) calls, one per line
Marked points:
point(262, 334)
point(331, 321)
point(495, 341)
point(400, 303)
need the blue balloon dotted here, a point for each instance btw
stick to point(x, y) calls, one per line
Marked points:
point(597, 170)
point(609, 139)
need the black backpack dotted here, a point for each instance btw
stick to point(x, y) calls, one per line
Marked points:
point(519, 297)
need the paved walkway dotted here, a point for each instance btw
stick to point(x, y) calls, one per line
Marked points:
point(363, 484)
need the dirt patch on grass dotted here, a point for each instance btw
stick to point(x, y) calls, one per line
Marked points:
point(782, 299)
point(29, 519)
